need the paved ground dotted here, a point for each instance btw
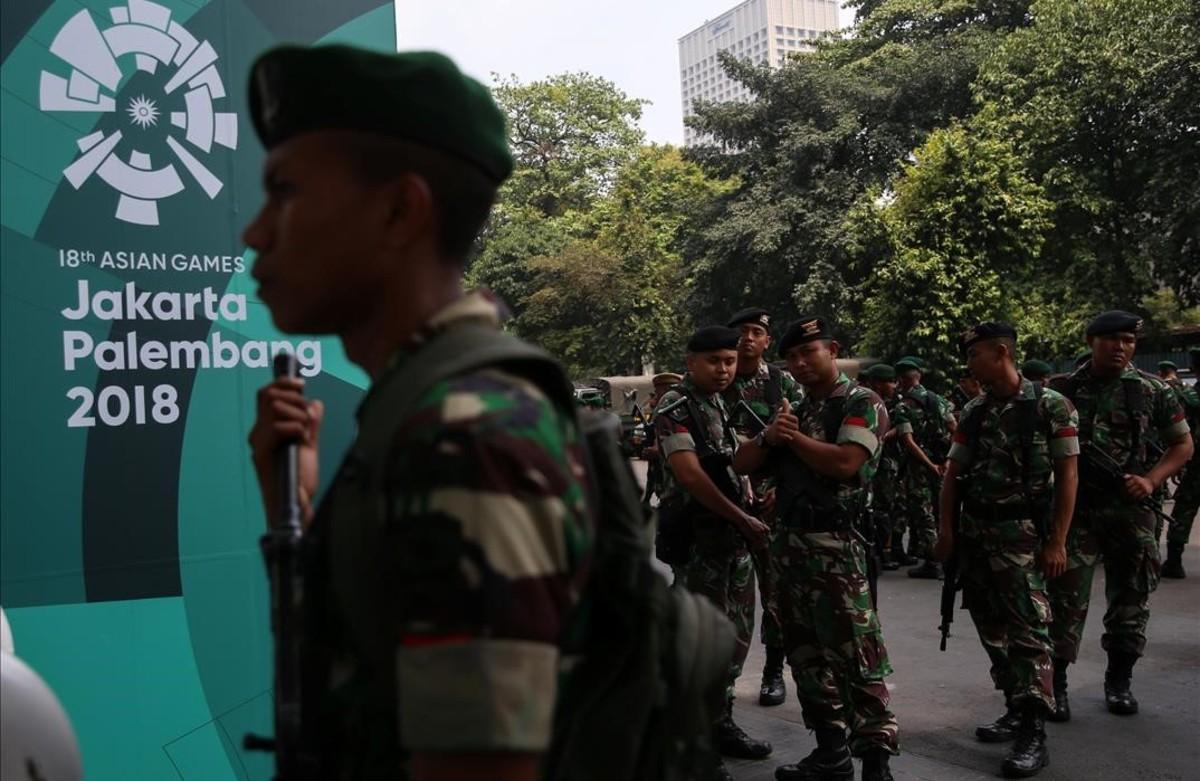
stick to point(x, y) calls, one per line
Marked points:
point(939, 698)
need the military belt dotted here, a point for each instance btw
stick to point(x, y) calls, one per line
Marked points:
point(810, 520)
point(997, 513)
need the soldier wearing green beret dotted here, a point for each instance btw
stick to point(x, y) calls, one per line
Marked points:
point(825, 452)
point(1187, 493)
point(924, 423)
point(1120, 408)
point(967, 388)
point(662, 383)
point(432, 629)
point(1013, 468)
point(705, 532)
point(763, 388)
point(1037, 371)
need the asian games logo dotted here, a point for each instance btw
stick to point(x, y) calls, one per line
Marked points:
point(146, 31)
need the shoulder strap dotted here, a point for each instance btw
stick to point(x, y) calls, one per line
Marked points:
point(1135, 408)
point(458, 350)
point(1027, 422)
point(833, 413)
point(774, 389)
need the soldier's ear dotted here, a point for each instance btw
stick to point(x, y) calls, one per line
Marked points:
point(834, 348)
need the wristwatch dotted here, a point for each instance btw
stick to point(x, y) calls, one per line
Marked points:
point(760, 439)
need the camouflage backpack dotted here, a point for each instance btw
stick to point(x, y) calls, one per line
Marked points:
point(646, 678)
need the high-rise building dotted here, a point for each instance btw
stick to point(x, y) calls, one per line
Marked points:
point(760, 31)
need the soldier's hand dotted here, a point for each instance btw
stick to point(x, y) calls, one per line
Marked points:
point(1138, 487)
point(784, 426)
point(284, 415)
point(939, 470)
point(1054, 560)
point(943, 547)
point(755, 531)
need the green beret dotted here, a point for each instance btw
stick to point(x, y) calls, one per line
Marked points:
point(754, 315)
point(883, 372)
point(912, 359)
point(1164, 365)
point(1114, 322)
point(908, 364)
point(1083, 358)
point(713, 337)
point(420, 97)
point(981, 332)
point(807, 328)
point(1036, 369)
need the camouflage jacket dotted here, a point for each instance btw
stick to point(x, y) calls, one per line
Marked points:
point(1189, 398)
point(862, 420)
point(891, 456)
point(992, 465)
point(439, 590)
point(1104, 414)
point(753, 390)
point(676, 431)
point(913, 416)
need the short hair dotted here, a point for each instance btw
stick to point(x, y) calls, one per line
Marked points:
point(462, 194)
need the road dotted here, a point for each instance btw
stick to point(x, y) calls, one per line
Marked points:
point(939, 698)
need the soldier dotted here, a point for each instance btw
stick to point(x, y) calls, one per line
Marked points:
point(966, 389)
point(1168, 372)
point(697, 441)
point(825, 452)
point(761, 386)
point(886, 509)
point(1187, 493)
point(440, 571)
point(924, 423)
point(662, 383)
point(1037, 371)
point(1013, 468)
point(1119, 407)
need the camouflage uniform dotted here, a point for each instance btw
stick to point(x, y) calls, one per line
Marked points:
point(886, 487)
point(1187, 493)
point(932, 433)
point(833, 636)
point(719, 565)
point(440, 583)
point(998, 540)
point(1105, 523)
point(754, 391)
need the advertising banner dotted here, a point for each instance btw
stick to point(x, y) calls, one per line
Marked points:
point(132, 345)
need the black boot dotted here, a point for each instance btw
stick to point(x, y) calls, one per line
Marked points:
point(829, 761)
point(732, 741)
point(774, 690)
point(1173, 566)
point(1062, 706)
point(1029, 754)
point(928, 570)
point(1117, 695)
point(1002, 729)
point(888, 562)
point(875, 766)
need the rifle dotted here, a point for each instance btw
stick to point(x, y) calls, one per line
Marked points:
point(281, 552)
point(951, 580)
point(1096, 461)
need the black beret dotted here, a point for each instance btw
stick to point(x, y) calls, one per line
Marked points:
point(417, 96)
point(713, 337)
point(981, 332)
point(808, 328)
point(884, 372)
point(754, 315)
point(1114, 322)
point(1036, 368)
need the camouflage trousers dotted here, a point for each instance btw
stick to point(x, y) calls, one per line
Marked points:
point(770, 628)
point(726, 577)
point(1187, 505)
point(1124, 538)
point(833, 638)
point(1005, 592)
point(886, 518)
point(921, 488)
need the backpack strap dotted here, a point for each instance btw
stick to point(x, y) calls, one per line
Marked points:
point(774, 389)
point(1135, 408)
point(1027, 423)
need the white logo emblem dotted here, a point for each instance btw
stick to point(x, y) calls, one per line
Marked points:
point(145, 30)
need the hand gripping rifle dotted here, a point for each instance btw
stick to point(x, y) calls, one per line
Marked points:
point(1101, 464)
point(281, 551)
point(950, 569)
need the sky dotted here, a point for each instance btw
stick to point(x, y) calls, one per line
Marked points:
point(633, 43)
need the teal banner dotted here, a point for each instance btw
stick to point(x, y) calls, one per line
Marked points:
point(132, 347)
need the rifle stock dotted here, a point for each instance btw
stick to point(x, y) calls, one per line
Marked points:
point(1096, 461)
point(950, 569)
